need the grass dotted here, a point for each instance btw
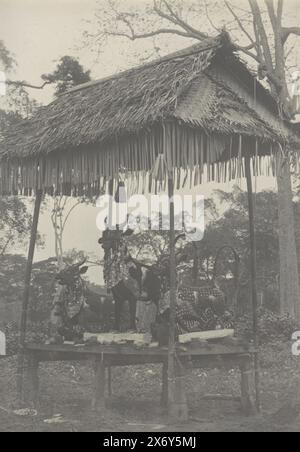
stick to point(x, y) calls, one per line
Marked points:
point(135, 404)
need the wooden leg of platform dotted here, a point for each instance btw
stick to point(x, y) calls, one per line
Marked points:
point(33, 373)
point(165, 385)
point(180, 405)
point(248, 406)
point(98, 402)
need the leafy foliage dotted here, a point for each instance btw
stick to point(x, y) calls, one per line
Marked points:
point(8, 119)
point(6, 59)
point(15, 223)
point(231, 228)
point(68, 73)
point(227, 224)
point(12, 268)
point(272, 326)
point(19, 102)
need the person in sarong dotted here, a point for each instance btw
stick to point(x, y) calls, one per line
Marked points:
point(121, 275)
point(196, 308)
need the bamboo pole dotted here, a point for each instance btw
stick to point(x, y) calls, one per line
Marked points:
point(195, 264)
point(110, 207)
point(171, 350)
point(26, 294)
point(177, 407)
point(253, 274)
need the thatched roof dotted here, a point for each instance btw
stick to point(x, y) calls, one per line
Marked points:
point(174, 86)
point(97, 127)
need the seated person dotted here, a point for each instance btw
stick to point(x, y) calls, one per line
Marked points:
point(197, 308)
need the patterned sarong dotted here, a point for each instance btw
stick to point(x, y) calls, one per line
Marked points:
point(197, 309)
point(117, 265)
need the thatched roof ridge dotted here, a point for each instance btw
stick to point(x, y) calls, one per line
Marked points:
point(138, 99)
point(206, 45)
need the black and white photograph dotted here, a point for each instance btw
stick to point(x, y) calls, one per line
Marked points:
point(149, 219)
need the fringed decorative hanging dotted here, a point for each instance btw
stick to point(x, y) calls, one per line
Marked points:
point(148, 157)
point(160, 170)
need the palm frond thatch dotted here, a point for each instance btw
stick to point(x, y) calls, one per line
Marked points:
point(189, 101)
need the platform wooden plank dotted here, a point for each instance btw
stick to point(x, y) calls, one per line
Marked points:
point(206, 335)
point(195, 349)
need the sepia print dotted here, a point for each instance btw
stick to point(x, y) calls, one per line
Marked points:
point(149, 218)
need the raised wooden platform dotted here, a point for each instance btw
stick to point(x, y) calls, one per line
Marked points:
point(226, 353)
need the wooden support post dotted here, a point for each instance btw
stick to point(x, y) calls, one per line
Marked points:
point(177, 410)
point(33, 373)
point(253, 274)
point(171, 350)
point(26, 294)
point(98, 401)
point(180, 390)
point(110, 207)
point(195, 264)
point(246, 399)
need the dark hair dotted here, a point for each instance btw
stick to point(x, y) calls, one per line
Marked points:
point(152, 285)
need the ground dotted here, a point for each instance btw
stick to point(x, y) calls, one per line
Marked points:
point(134, 406)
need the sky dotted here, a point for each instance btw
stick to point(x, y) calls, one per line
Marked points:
point(38, 33)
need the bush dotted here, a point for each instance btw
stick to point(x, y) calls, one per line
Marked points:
point(271, 326)
point(37, 332)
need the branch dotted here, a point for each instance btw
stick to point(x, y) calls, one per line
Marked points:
point(150, 34)
point(273, 18)
point(184, 30)
point(239, 22)
point(280, 10)
point(246, 50)
point(176, 20)
point(287, 31)
point(5, 246)
point(261, 34)
point(25, 84)
point(289, 51)
point(279, 44)
point(209, 18)
point(69, 213)
point(182, 23)
point(261, 37)
point(257, 37)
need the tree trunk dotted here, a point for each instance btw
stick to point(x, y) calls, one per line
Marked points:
point(289, 276)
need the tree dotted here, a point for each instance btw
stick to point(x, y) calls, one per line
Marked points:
point(15, 223)
point(60, 215)
point(7, 61)
point(265, 41)
point(68, 73)
point(15, 220)
point(232, 229)
point(7, 120)
point(17, 103)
